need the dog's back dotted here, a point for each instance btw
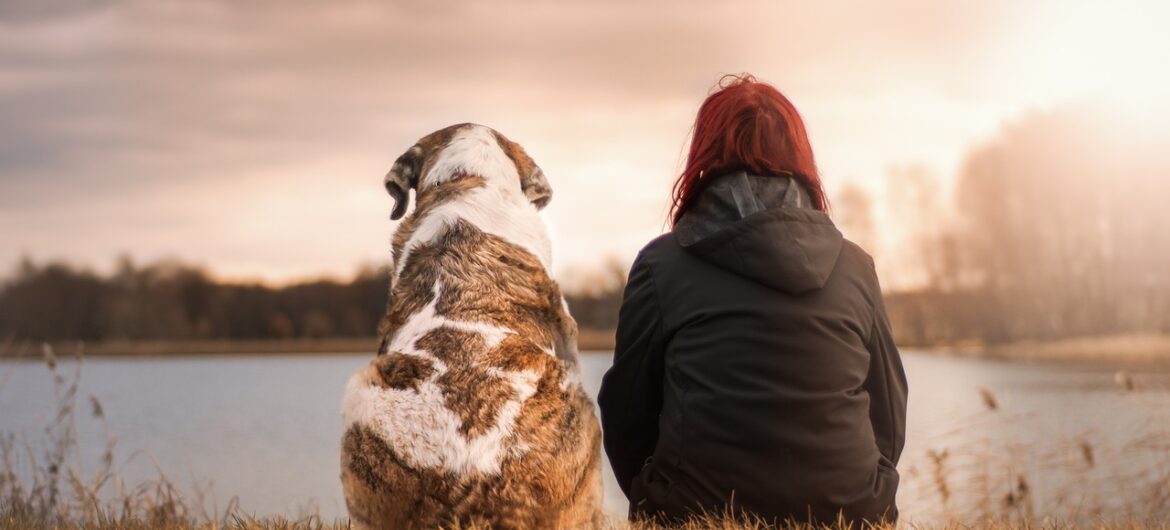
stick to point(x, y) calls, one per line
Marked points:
point(473, 412)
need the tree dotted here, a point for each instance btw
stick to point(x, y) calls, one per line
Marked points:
point(1062, 225)
point(853, 210)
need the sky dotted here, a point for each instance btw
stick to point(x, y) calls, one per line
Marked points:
point(252, 137)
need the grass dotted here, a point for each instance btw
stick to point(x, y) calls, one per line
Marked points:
point(997, 467)
point(992, 481)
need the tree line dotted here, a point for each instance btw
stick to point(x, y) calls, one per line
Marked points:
point(170, 300)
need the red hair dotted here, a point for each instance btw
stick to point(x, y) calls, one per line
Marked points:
point(747, 125)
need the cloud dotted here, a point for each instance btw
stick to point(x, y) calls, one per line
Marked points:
point(148, 122)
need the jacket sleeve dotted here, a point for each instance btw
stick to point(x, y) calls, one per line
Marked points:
point(886, 385)
point(631, 391)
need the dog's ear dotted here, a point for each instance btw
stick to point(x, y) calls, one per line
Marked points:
point(536, 187)
point(532, 180)
point(403, 177)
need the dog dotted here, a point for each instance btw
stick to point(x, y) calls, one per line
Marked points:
point(472, 413)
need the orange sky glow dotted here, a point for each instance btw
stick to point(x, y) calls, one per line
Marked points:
point(252, 137)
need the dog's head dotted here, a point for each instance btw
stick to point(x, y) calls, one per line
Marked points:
point(463, 150)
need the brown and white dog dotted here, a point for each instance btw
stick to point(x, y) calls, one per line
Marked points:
point(473, 412)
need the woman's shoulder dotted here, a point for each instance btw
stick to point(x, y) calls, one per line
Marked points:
point(662, 243)
point(856, 262)
point(657, 250)
point(856, 254)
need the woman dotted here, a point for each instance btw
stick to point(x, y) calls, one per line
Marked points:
point(754, 367)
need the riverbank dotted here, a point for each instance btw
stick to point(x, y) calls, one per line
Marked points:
point(1118, 349)
point(588, 340)
point(1124, 349)
point(164, 348)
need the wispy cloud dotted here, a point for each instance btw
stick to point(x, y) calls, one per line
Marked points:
point(253, 136)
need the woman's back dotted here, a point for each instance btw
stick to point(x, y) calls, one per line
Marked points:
point(754, 365)
point(754, 336)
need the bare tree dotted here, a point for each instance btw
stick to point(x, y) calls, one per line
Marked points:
point(853, 210)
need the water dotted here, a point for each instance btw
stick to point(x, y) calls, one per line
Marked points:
point(267, 428)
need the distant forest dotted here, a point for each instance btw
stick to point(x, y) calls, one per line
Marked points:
point(1057, 228)
point(176, 301)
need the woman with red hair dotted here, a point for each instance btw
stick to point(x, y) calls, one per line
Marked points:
point(754, 368)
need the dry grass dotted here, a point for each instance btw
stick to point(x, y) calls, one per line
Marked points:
point(1003, 464)
point(43, 485)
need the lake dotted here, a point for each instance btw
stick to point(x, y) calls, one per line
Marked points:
point(983, 436)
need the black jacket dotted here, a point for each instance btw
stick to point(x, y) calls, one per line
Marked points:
point(754, 363)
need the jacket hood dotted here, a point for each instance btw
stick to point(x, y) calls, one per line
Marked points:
point(763, 228)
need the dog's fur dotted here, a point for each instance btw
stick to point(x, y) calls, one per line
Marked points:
point(473, 412)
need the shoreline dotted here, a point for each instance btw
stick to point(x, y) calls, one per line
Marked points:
point(588, 341)
point(1134, 349)
point(1123, 349)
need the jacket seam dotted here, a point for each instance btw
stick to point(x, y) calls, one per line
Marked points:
point(659, 345)
point(803, 252)
point(885, 375)
point(875, 305)
point(657, 301)
point(877, 310)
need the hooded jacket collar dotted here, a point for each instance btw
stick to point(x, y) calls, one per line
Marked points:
point(762, 228)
